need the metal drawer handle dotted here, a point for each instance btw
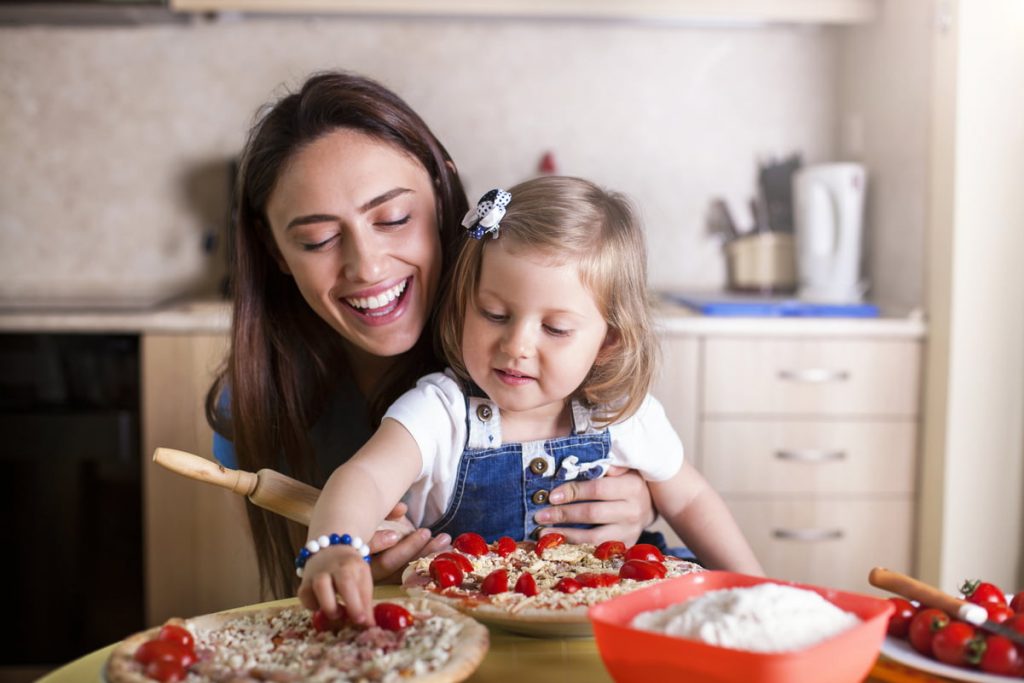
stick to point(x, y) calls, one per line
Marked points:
point(808, 535)
point(810, 455)
point(814, 375)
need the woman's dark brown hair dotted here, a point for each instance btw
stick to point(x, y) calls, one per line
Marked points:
point(284, 360)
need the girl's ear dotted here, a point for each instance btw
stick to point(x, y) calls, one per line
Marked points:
point(609, 347)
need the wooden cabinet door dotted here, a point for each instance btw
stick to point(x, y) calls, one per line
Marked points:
point(199, 554)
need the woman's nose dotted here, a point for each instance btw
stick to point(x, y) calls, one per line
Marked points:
point(363, 259)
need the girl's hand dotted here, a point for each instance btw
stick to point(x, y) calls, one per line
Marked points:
point(620, 503)
point(338, 572)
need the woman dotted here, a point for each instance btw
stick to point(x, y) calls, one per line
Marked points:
point(347, 210)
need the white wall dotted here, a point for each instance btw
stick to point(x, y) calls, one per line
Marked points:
point(115, 139)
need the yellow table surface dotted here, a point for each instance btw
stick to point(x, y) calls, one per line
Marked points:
point(510, 658)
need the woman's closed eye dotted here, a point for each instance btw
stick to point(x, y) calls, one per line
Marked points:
point(397, 223)
point(318, 246)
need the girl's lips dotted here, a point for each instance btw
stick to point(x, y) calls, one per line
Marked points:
point(512, 378)
point(381, 315)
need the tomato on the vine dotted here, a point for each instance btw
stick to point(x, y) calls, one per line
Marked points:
point(495, 582)
point(471, 544)
point(957, 644)
point(392, 617)
point(899, 622)
point(1017, 604)
point(982, 593)
point(998, 613)
point(1002, 657)
point(923, 627)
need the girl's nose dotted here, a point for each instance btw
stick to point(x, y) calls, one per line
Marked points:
point(518, 341)
point(363, 259)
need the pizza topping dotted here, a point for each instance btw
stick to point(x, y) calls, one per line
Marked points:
point(471, 544)
point(446, 573)
point(165, 670)
point(505, 546)
point(567, 584)
point(495, 582)
point(645, 551)
point(549, 541)
point(321, 622)
point(177, 634)
point(642, 570)
point(464, 564)
point(526, 584)
point(610, 549)
point(595, 580)
point(392, 617)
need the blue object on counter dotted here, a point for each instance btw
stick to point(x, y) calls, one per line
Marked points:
point(727, 305)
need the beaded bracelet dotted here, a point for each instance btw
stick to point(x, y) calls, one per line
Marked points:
point(318, 544)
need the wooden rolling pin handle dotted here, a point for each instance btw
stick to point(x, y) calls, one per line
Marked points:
point(195, 467)
point(912, 589)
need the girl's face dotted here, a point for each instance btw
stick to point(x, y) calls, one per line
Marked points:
point(533, 333)
point(354, 220)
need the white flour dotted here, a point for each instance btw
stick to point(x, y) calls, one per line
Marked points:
point(765, 618)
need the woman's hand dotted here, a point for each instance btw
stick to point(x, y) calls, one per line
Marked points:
point(619, 503)
point(395, 548)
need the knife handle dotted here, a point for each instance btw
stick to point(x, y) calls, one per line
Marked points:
point(912, 589)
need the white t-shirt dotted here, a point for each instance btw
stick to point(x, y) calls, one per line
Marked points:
point(434, 413)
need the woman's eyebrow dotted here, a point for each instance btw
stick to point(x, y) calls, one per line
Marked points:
point(329, 218)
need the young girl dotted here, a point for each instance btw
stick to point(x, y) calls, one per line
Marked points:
point(546, 326)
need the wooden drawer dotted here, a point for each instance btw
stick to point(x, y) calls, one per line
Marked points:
point(833, 543)
point(811, 456)
point(811, 377)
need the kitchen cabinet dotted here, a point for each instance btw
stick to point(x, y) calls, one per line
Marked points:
point(810, 436)
point(199, 555)
point(746, 11)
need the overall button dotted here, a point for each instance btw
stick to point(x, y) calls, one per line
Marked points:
point(484, 412)
point(535, 534)
point(540, 497)
point(538, 465)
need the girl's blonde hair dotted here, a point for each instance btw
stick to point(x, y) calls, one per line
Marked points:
point(573, 220)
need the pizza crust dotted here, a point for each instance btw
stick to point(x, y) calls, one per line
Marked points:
point(465, 656)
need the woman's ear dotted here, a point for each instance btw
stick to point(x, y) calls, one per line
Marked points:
point(609, 347)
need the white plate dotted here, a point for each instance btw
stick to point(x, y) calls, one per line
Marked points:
point(901, 651)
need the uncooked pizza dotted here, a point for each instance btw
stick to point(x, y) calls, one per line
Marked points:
point(413, 640)
point(540, 588)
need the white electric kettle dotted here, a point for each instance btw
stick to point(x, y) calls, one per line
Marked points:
point(828, 201)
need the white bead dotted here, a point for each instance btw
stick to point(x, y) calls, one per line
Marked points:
point(298, 572)
point(324, 541)
point(356, 541)
point(313, 546)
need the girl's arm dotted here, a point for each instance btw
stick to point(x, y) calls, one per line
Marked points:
point(698, 514)
point(356, 498)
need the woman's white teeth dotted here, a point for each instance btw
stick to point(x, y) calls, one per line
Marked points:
point(378, 300)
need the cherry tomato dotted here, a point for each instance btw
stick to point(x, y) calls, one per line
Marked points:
point(957, 644)
point(458, 558)
point(567, 584)
point(642, 570)
point(899, 622)
point(1017, 604)
point(548, 541)
point(982, 593)
point(526, 584)
point(596, 580)
point(1001, 656)
point(446, 573)
point(495, 582)
point(923, 627)
point(471, 544)
point(392, 617)
point(157, 650)
point(165, 670)
point(505, 546)
point(321, 622)
point(1016, 622)
point(177, 634)
point(998, 613)
point(610, 549)
point(645, 551)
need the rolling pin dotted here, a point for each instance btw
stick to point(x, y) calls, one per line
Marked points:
point(266, 488)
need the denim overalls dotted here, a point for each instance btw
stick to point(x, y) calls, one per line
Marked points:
point(499, 487)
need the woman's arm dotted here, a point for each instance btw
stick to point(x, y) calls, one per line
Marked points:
point(357, 496)
point(699, 515)
point(618, 503)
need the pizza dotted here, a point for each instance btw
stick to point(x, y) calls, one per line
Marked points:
point(541, 588)
point(414, 640)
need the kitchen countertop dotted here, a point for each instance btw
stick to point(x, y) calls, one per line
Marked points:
point(211, 316)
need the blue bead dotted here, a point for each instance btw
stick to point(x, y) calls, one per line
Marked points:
point(335, 539)
point(304, 553)
point(346, 539)
point(299, 563)
point(367, 558)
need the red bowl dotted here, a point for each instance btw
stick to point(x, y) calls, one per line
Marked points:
point(636, 656)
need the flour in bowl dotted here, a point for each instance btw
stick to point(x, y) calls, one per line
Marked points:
point(768, 617)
